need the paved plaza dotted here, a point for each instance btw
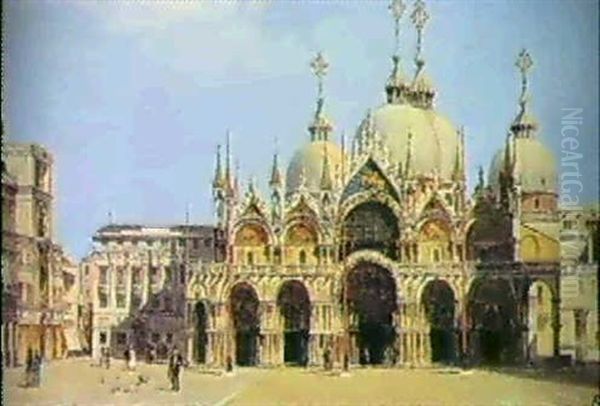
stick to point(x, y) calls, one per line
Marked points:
point(77, 382)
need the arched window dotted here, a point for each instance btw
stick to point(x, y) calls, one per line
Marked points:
point(302, 257)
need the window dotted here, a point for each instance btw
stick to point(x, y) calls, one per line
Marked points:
point(302, 257)
point(436, 255)
point(168, 304)
point(250, 258)
point(208, 242)
point(155, 337)
point(103, 275)
point(121, 300)
point(567, 224)
point(103, 338)
point(182, 275)
point(136, 302)
point(136, 276)
point(168, 274)
point(103, 299)
point(121, 338)
point(169, 338)
point(536, 203)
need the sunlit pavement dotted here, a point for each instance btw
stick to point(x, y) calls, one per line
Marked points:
point(77, 382)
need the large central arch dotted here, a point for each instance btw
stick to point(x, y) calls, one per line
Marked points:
point(246, 323)
point(370, 225)
point(370, 298)
point(294, 306)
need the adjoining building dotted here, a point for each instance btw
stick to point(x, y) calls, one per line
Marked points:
point(580, 336)
point(135, 280)
point(33, 268)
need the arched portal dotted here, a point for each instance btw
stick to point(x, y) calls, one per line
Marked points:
point(201, 324)
point(439, 302)
point(246, 322)
point(371, 301)
point(370, 225)
point(494, 321)
point(540, 340)
point(294, 306)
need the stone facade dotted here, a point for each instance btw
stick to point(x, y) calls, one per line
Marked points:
point(580, 337)
point(33, 277)
point(134, 282)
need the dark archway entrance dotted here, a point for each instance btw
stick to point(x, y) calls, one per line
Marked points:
point(370, 225)
point(201, 324)
point(494, 322)
point(371, 301)
point(294, 305)
point(439, 302)
point(244, 310)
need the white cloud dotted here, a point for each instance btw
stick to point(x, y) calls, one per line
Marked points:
point(215, 42)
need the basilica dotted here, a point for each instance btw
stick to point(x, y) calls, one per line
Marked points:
point(374, 251)
point(370, 251)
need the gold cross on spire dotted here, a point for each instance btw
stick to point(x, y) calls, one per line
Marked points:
point(319, 66)
point(397, 8)
point(524, 63)
point(419, 18)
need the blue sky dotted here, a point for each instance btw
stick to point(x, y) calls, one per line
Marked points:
point(132, 96)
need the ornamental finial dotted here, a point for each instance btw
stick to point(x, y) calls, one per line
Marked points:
point(419, 18)
point(319, 66)
point(397, 8)
point(524, 63)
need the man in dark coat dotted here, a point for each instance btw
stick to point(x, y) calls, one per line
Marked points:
point(175, 368)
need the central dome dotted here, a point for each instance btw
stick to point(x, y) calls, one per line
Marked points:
point(434, 138)
point(308, 162)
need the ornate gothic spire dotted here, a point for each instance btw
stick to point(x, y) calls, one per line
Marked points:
point(396, 86)
point(423, 91)
point(326, 179)
point(408, 170)
point(524, 125)
point(321, 127)
point(276, 178)
point(218, 180)
point(459, 155)
point(228, 169)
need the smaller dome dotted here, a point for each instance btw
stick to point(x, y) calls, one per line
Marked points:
point(308, 162)
point(536, 166)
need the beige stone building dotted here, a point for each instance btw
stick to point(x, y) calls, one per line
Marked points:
point(33, 271)
point(135, 279)
point(580, 337)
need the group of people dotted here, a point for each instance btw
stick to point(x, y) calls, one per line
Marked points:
point(33, 369)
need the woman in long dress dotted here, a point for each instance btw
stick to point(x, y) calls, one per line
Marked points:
point(131, 359)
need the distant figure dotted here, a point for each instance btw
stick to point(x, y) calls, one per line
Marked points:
point(174, 371)
point(327, 358)
point(131, 362)
point(346, 364)
point(40, 368)
point(107, 357)
point(228, 364)
point(29, 368)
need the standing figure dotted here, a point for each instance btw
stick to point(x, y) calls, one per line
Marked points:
point(107, 357)
point(40, 368)
point(35, 370)
point(29, 368)
point(327, 358)
point(175, 367)
point(131, 358)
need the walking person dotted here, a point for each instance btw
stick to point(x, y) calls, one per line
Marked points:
point(175, 370)
point(35, 371)
point(40, 369)
point(29, 368)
